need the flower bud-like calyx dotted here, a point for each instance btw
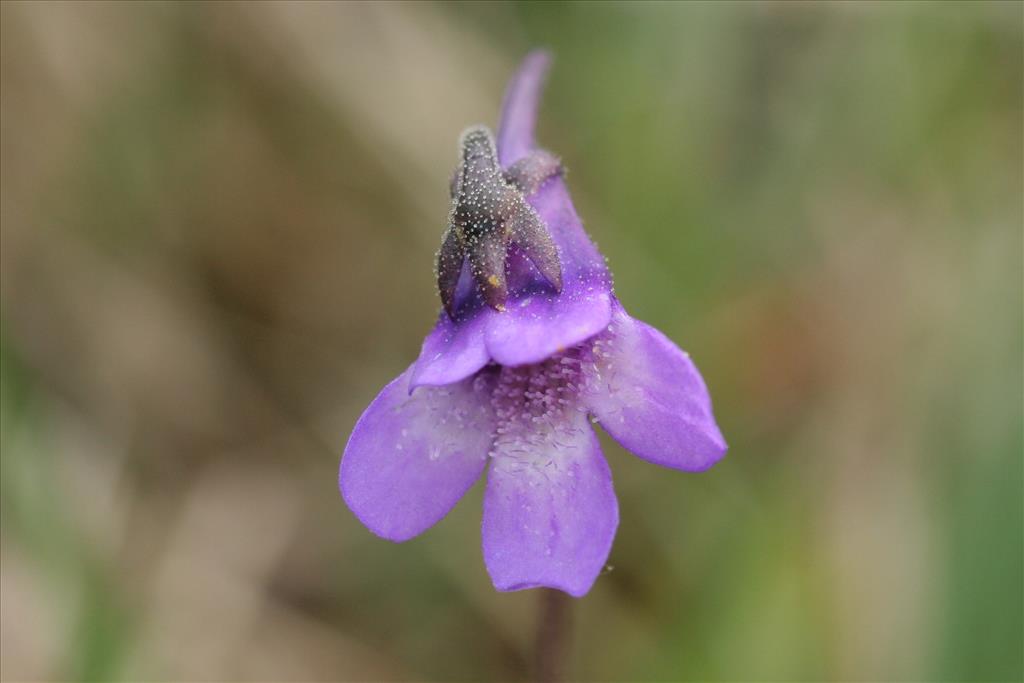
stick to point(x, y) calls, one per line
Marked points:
point(489, 212)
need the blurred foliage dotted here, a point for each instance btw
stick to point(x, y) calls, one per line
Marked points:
point(218, 222)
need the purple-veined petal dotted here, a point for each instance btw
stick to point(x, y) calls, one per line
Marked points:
point(550, 512)
point(536, 326)
point(452, 351)
point(412, 457)
point(649, 396)
point(519, 109)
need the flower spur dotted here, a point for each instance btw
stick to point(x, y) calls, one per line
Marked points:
point(529, 348)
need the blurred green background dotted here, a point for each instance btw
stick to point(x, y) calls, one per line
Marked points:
point(218, 225)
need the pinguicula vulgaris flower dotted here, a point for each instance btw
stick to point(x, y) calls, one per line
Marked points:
point(530, 347)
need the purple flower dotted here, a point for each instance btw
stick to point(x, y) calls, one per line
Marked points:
point(530, 347)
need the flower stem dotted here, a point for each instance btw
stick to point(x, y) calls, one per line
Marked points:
point(553, 636)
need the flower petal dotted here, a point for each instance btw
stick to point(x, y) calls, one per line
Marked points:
point(649, 396)
point(411, 458)
point(550, 512)
point(452, 351)
point(535, 327)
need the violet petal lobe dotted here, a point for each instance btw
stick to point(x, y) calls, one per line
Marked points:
point(412, 457)
point(451, 352)
point(550, 512)
point(651, 398)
